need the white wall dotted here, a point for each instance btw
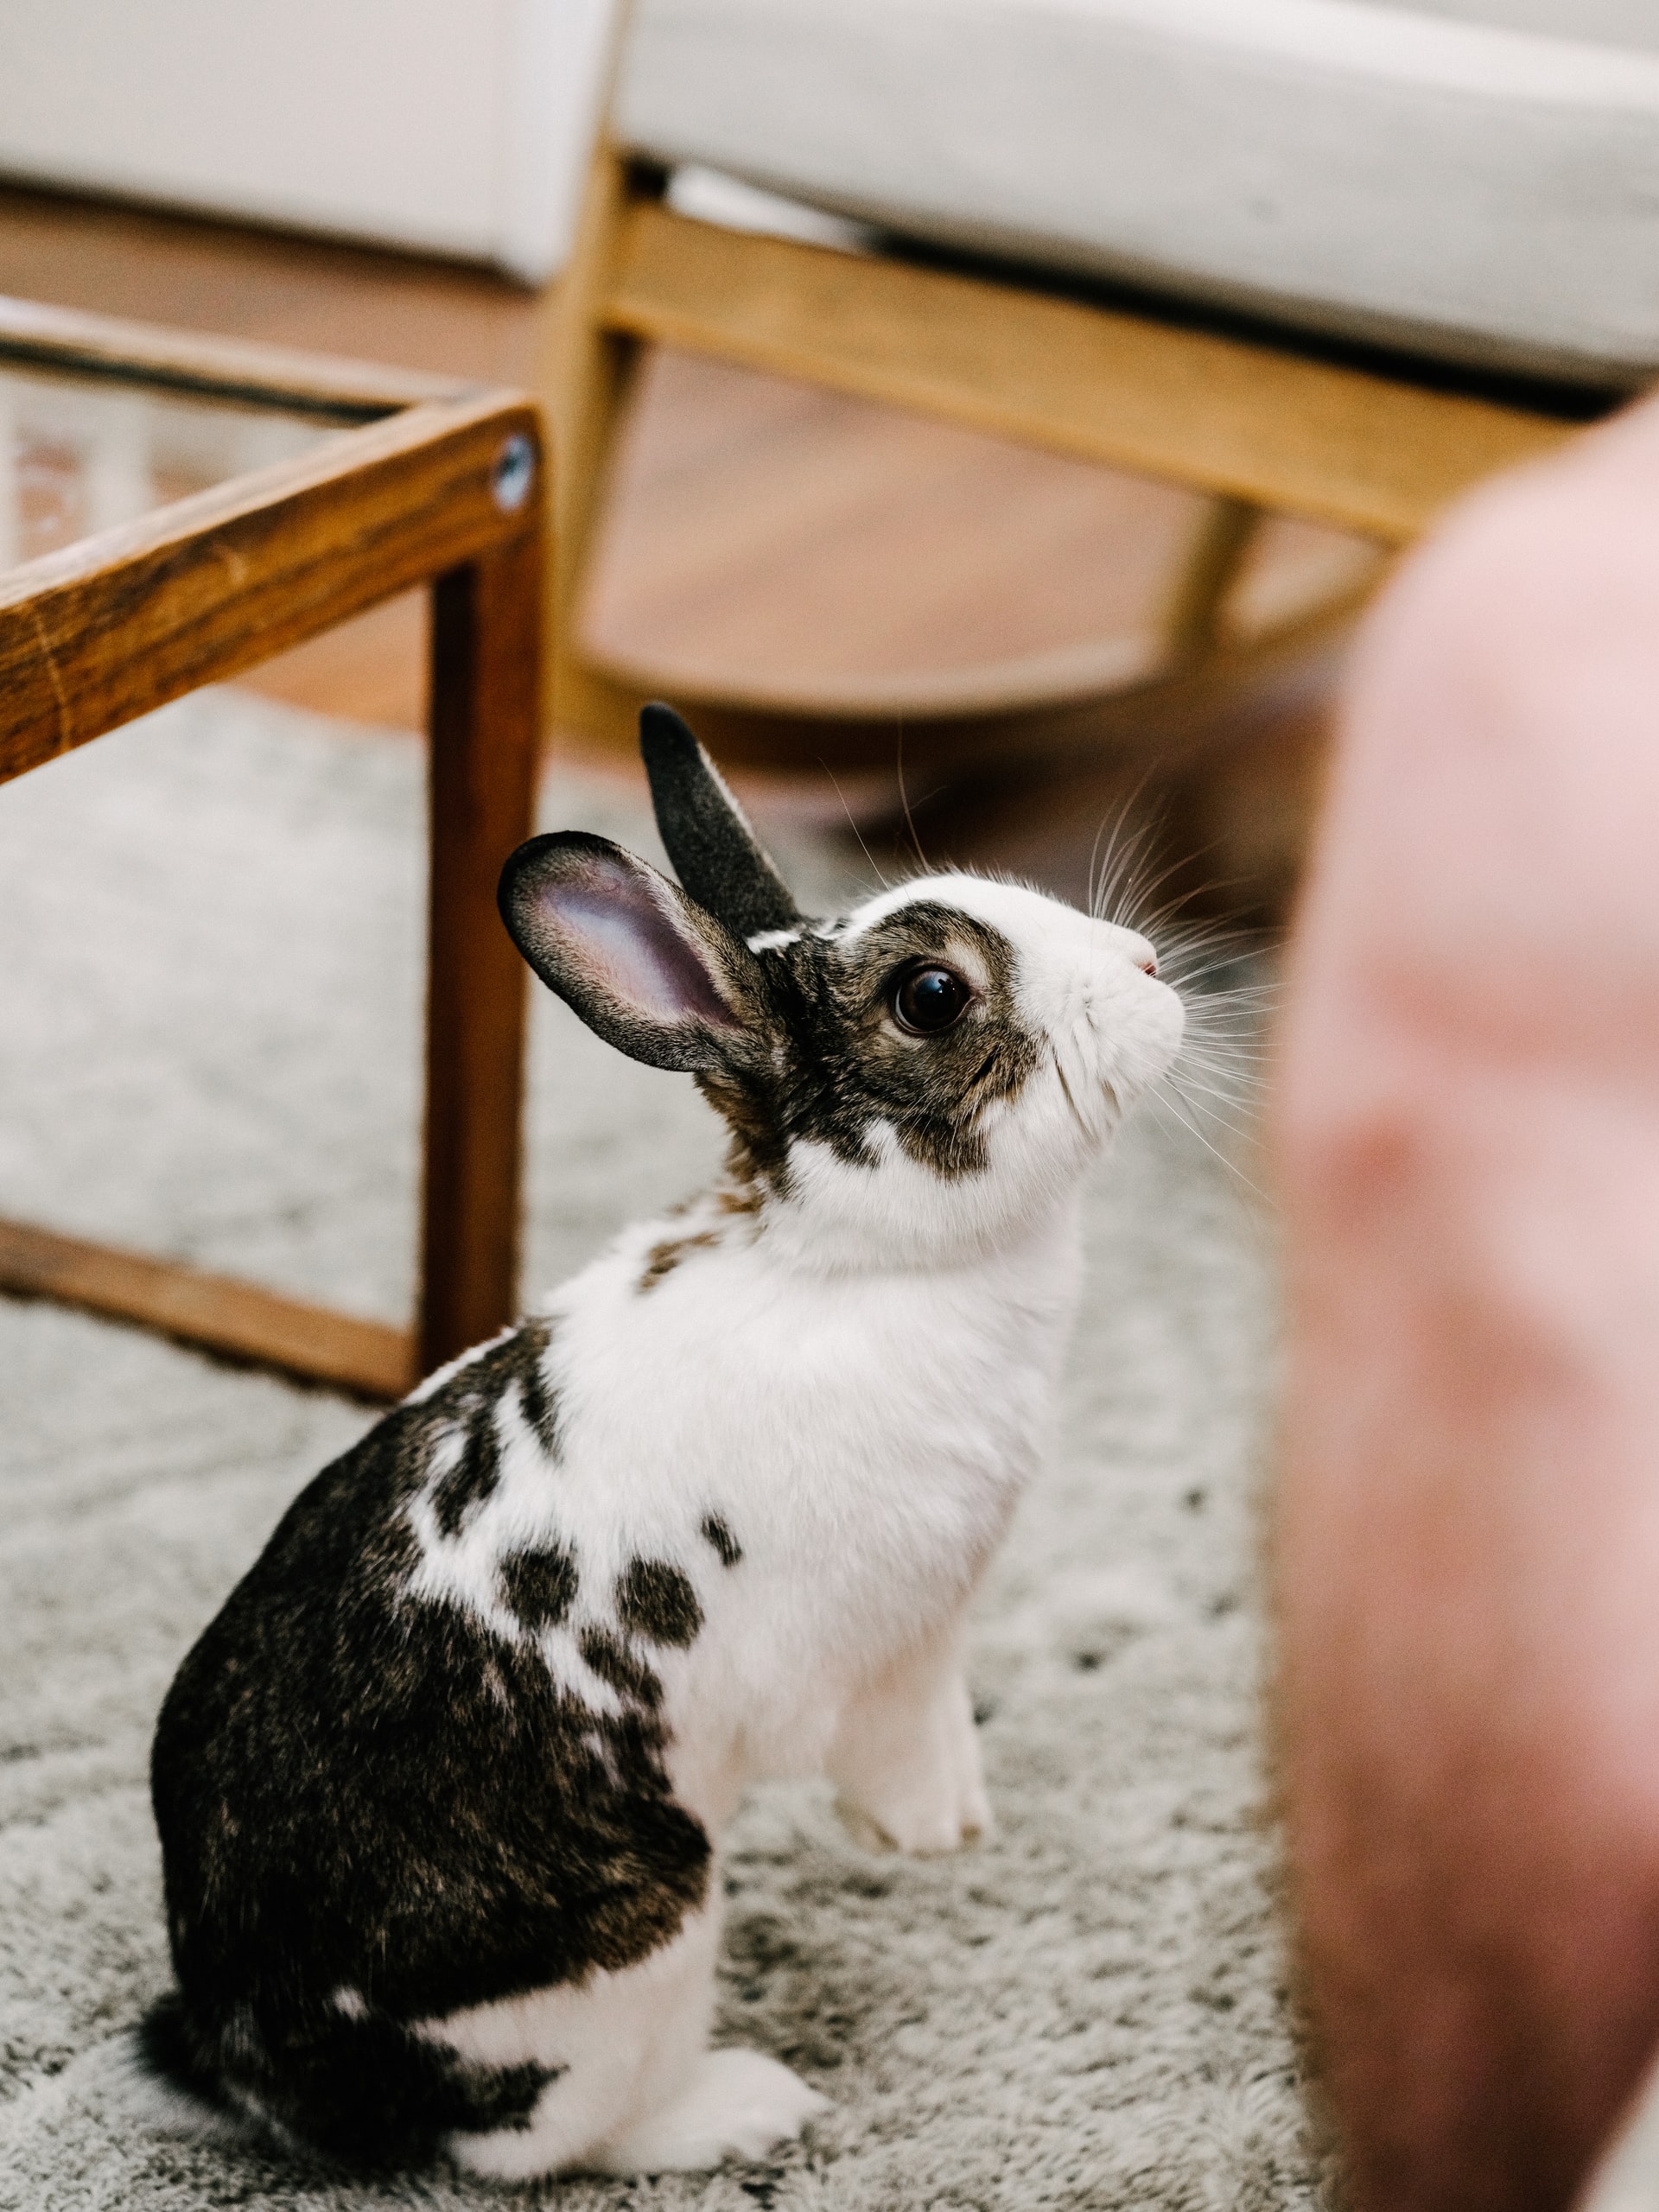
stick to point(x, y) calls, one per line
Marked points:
point(454, 126)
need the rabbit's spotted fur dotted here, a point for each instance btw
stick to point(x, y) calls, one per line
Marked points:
point(440, 1791)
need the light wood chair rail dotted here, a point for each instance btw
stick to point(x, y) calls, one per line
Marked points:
point(1256, 426)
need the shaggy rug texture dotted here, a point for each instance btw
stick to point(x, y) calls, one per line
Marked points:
point(212, 927)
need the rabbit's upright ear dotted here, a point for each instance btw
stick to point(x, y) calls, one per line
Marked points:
point(642, 965)
point(716, 854)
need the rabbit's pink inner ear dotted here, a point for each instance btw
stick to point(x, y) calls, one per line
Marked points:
point(633, 950)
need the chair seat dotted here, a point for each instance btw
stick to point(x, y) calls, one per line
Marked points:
point(1477, 180)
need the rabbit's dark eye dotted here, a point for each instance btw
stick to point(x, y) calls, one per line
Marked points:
point(927, 1000)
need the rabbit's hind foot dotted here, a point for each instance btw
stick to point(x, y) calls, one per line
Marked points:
point(740, 2104)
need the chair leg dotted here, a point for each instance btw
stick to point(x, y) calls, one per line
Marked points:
point(485, 726)
point(1217, 552)
point(583, 385)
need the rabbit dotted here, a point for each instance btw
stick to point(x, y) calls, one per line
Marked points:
point(439, 1791)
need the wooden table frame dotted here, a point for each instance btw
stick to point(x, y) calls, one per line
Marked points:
point(433, 483)
point(1368, 444)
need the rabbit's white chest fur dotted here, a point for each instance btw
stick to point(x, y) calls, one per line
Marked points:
point(883, 1427)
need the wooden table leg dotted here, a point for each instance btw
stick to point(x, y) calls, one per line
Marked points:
point(484, 727)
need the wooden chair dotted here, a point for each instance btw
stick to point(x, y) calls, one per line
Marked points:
point(1262, 397)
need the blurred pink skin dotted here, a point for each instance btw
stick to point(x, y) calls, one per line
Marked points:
point(1468, 1542)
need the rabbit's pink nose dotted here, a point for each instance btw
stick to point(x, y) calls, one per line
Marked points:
point(1148, 964)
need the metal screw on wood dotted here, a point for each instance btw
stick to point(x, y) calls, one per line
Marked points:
point(514, 473)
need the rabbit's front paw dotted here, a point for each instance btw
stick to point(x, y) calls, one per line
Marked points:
point(925, 1829)
point(919, 1787)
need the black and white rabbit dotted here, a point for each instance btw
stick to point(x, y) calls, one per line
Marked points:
point(440, 1791)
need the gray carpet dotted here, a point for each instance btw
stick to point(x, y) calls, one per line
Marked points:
point(208, 1001)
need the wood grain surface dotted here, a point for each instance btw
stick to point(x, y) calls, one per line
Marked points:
point(485, 730)
point(200, 273)
point(313, 383)
point(237, 1319)
point(1275, 427)
point(122, 622)
point(585, 374)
